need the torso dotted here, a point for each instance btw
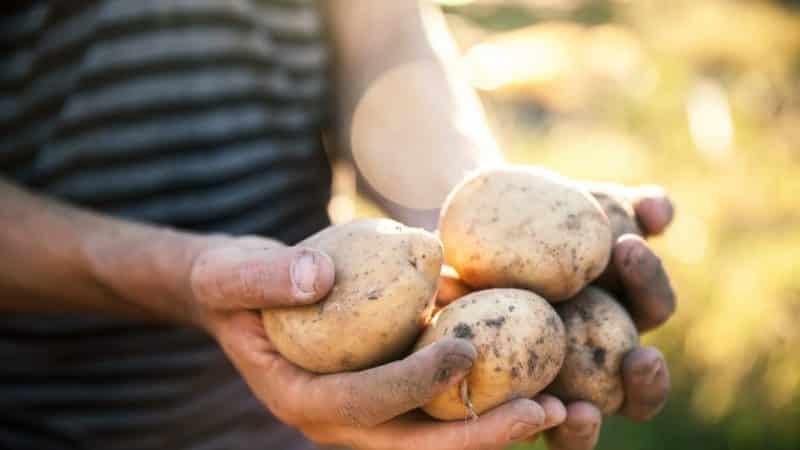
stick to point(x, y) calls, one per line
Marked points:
point(200, 114)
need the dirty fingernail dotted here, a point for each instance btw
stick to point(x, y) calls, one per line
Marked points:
point(582, 429)
point(533, 418)
point(649, 374)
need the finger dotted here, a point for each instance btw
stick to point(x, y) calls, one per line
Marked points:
point(555, 413)
point(647, 383)
point(235, 276)
point(493, 430)
point(270, 376)
point(653, 208)
point(376, 395)
point(646, 286)
point(450, 287)
point(579, 431)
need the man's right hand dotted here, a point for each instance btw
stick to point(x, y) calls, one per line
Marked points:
point(234, 278)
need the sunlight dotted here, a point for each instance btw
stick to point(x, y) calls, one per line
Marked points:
point(710, 121)
point(688, 239)
point(533, 57)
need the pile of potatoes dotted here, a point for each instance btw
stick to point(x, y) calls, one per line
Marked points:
point(529, 243)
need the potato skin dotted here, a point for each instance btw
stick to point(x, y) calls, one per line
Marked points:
point(520, 342)
point(527, 228)
point(599, 335)
point(386, 280)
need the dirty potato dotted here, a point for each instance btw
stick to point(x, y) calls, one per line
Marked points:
point(520, 342)
point(599, 335)
point(527, 228)
point(386, 280)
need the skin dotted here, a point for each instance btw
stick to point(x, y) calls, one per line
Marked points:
point(219, 283)
point(54, 257)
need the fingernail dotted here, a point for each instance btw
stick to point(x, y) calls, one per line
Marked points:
point(454, 365)
point(581, 429)
point(534, 418)
point(521, 430)
point(648, 375)
point(458, 361)
point(304, 272)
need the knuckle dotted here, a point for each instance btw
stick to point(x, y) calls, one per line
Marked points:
point(419, 392)
point(252, 276)
point(204, 285)
point(350, 415)
point(352, 412)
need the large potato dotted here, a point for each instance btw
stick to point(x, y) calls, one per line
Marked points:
point(599, 335)
point(525, 227)
point(520, 343)
point(386, 280)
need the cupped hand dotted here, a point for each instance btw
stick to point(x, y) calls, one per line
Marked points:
point(233, 279)
point(636, 276)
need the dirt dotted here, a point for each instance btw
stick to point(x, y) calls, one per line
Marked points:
point(533, 358)
point(572, 223)
point(463, 331)
point(599, 356)
point(496, 322)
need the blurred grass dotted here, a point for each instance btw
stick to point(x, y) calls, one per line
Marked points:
point(702, 98)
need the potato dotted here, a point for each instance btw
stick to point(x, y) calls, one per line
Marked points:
point(526, 228)
point(599, 335)
point(520, 342)
point(386, 280)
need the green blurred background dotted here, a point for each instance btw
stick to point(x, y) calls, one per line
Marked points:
point(702, 97)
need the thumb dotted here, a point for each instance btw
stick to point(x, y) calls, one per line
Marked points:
point(236, 276)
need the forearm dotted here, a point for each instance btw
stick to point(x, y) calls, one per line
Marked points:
point(54, 257)
point(399, 57)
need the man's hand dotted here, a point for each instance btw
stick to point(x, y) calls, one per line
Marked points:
point(642, 284)
point(233, 279)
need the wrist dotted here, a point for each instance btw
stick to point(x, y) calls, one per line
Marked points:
point(146, 270)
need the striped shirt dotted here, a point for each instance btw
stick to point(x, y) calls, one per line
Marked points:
point(200, 114)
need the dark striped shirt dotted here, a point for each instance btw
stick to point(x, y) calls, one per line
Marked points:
point(200, 114)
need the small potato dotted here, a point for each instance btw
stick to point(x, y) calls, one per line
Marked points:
point(599, 335)
point(386, 280)
point(520, 342)
point(525, 227)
